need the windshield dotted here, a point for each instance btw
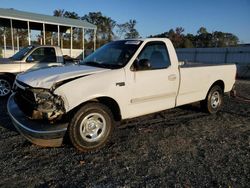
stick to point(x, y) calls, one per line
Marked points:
point(22, 53)
point(113, 55)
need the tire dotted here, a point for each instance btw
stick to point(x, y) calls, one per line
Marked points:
point(5, 86)
point(91, 127)
point(214, 100)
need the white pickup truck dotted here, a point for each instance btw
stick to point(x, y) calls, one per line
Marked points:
point(121, 80)
point(28, 58)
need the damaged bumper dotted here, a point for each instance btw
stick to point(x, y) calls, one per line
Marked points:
point(38, 132)
point(38, 103)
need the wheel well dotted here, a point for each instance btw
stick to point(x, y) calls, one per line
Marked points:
point(219, 83)
point(107, 101)
point(113, 106)
point(9, 75)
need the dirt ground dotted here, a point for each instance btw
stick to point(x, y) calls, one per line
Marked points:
point(181, 147)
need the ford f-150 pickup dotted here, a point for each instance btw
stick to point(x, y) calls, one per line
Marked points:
point(121, 80)
point(28, 58)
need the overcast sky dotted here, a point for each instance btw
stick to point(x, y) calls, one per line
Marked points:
point(156, 16)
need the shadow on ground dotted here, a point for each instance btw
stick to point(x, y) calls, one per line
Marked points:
point(181, 147)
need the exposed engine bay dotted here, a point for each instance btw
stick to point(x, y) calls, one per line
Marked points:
point(38, 103)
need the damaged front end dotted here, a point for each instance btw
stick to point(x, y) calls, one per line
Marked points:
point(39, 103)
point(48, 105)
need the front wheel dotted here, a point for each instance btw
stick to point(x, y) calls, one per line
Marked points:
point(91, 127)
point(5, 86)
point(214, 100)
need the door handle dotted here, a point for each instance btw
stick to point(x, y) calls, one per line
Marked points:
point(172, 77)
point(120, 84)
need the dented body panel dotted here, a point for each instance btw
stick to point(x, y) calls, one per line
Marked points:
point(47, 78)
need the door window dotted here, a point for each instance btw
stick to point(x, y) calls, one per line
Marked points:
point(156, 54)
point(44, 55)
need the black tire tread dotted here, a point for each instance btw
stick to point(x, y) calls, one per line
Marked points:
point(83, 109)
point(205, 104)
point(9, 79)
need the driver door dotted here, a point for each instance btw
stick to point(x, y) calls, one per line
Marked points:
point(155, 88)
point(40, 58)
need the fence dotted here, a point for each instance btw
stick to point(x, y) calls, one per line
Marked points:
point(238, 55)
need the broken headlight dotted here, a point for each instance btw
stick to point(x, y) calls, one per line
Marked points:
point(51, 106)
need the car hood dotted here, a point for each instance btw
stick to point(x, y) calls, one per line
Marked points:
point(7, 61)
point(46, 78)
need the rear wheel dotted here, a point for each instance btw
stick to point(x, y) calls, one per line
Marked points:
point(5, 86)
point(214, 100)
point(91, 127)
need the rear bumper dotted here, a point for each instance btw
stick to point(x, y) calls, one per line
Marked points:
point(233, 91)
point(38, 132)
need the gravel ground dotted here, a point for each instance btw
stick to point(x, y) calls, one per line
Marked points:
point(181, 147)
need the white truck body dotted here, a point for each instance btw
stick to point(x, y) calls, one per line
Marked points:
point(144, 91)
point(16, 66)
point(29, 58)
point(86, 99)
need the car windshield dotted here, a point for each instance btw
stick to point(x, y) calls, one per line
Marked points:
point(113, 55)
point(22, 53)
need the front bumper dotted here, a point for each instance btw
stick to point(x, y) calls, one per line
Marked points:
point(38, 132)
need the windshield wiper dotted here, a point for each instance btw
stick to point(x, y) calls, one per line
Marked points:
point(112, 66)
point(91, 63)
point(101, 65)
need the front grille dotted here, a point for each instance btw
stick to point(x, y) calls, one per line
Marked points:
point(25, 100)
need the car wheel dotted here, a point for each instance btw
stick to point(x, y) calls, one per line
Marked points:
point(214, 100)
point(5, 86)
point(91, 127)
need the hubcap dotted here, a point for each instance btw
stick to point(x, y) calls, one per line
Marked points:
point(93, 127)
point(4, 87)
point(215, 99)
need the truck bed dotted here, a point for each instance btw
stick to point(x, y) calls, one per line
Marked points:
point(197, 78)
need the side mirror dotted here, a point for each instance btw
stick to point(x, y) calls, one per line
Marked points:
point(30, 59)
point(143, 64)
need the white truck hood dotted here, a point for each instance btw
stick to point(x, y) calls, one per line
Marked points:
point(46, 78)
point(8, 61)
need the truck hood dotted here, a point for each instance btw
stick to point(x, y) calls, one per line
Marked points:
point(7, 61)
point(46, 78)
